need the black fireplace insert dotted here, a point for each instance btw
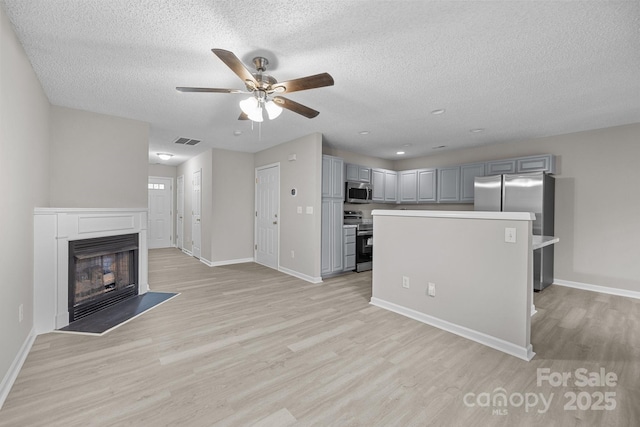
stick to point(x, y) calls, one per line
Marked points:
point(102, 271)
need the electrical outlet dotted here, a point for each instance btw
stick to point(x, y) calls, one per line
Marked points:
point(20, 312)
point(405, 282)
point(431, 289)
point(293, 254)
point(510, 235)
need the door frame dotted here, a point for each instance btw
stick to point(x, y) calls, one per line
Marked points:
point(255, 209)
point(171, 207)
point(192, 215)
point(179, 231)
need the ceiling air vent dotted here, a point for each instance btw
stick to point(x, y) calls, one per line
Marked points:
point(187, 141)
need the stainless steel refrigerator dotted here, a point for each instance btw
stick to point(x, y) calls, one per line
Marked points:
point(530, 192)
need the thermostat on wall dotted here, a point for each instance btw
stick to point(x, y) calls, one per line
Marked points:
point(294, 192)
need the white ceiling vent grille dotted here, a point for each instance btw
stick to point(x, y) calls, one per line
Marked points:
point(187, 141)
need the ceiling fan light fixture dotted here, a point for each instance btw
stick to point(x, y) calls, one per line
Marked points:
point(273, 109)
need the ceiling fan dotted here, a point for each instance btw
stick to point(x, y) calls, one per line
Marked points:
point(262, 87)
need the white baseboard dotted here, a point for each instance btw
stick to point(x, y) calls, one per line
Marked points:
point(14, 369)
point(206, 262)
point(187, 252)
point(524, 353)
point(596, 288)
point(302, 276)
point(230, 262)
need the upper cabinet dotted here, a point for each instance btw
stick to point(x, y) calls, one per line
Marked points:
point(332, 177)
point(468, 174)
point(544, 163)
point(449, 184)
point(426, 185)
point(499, 167)
point(358, 173)
point(408, 183)
point(385, 186)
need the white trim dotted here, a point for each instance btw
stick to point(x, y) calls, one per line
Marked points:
point(205, 262)
point(16, 365)
point(302, 276)
point(49, 211)
point(230, 262)
point(512, 216)
point(596, 288)
point(187, 251)
point(524, 353)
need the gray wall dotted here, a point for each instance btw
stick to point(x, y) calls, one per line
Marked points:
point(597, 200)
point(232, 205)
point(24, 173)
point(299, 232)
point(98, 161)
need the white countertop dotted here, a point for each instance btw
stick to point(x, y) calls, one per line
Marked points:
point(515, 216)
point(538, 242)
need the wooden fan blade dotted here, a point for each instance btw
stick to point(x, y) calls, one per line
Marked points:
point(209, 89)
point(304, 83)
point(295, 107)
point(235, 64)
point(243, 116)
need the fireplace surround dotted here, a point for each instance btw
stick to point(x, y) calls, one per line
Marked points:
point(59, 230)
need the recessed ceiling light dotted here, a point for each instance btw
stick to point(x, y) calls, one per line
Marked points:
point(438, 147)
point(439, 111)
point(364, 132)
point(400, 152)
point(237, 132)
point(476, 130)
point(165, 156)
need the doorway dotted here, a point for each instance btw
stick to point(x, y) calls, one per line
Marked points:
point(267, 226)
point(160, 215)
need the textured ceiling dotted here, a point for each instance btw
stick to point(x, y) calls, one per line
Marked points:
point(517, 69)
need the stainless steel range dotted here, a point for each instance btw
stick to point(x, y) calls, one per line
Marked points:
point(364, 239)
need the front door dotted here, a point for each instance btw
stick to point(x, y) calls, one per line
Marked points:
point(180, 212)
point(159, 221)
point(196, 203)
point(267, 215)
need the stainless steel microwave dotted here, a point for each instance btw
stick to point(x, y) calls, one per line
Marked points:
point(357, 192)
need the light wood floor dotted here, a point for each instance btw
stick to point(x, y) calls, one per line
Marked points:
point(246, 345)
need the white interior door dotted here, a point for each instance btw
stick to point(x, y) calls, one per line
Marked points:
point(267, 215)
point(159, 220)
point(196, 225)
point(180, 212)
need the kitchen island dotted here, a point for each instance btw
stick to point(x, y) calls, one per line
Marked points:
point(467, 272)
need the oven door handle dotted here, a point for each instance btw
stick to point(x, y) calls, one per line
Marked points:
point(365, 233)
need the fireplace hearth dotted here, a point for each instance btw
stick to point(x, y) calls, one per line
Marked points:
point(102, 272)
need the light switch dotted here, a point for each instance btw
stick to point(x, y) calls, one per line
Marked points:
point(309, 210)
point(510, 235)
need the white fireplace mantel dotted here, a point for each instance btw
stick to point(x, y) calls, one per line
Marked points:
point(53, 229)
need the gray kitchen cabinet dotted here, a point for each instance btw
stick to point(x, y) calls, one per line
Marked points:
point(332, 249)
point(385, 186)
point(358, 173)
point(426, 185)
point(377, 182)
point(544, 163)
point(391, 186)
point(349, 236)
point(408, 186)
point(449, 184)
point(468, 174)
point(332, 177)
point(498, 167)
